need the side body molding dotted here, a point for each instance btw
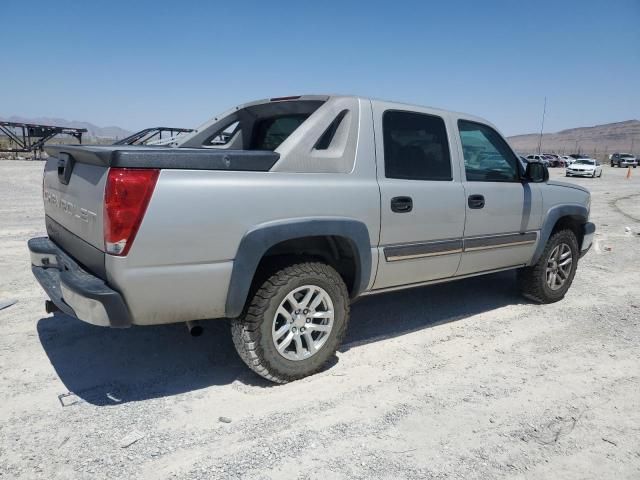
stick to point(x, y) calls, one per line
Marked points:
point(553, 215)
point(257, 241)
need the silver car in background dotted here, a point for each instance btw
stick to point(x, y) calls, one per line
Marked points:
point(623, 160)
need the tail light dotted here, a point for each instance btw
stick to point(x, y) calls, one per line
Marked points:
point(126, 197)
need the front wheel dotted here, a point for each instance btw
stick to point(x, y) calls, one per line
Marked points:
point(550, 278)
point(295, 322)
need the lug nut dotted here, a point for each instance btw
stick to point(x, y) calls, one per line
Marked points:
point(294, 329)
point(301, 329)
point(308, 320)
point(306, 310)
point(297, 312)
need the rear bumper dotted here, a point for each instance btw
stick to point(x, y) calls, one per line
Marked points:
point(589, 230)
point(73, 290)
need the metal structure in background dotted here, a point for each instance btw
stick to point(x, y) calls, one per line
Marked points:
point(153, 136)
point(30, 137)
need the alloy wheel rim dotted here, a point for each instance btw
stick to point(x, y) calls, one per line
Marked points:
point(559, 266)
point(303, 322)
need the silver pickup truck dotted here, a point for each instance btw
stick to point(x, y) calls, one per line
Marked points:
point(279, 213)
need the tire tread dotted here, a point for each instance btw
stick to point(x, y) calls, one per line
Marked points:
point(529, 278)
point(245, 330)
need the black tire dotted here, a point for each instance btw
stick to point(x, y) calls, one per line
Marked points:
point(252, 332)
point(532, 280)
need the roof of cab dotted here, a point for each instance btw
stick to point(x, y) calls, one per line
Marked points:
point(389, 103)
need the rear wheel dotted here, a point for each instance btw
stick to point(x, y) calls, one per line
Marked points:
point(550, 278)
point(295, 322)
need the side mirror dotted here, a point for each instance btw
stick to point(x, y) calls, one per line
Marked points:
point(536, 172)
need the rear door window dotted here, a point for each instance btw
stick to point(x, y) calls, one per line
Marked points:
point(415, 146)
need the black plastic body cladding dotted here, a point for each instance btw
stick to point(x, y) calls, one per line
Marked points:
point(256, 243)
point(88, 256)
point(554, 214)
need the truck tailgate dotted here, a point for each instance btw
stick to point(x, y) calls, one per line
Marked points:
point(73, 198)
point(75, 177)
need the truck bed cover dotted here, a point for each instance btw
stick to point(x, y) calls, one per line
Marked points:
point(167, 158)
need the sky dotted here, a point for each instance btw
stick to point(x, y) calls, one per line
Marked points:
point(141, 63)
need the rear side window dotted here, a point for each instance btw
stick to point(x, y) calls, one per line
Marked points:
point(270, 132)
point(487, 157)
point(415, 146)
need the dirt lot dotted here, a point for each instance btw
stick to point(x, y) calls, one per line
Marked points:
point(461, 380)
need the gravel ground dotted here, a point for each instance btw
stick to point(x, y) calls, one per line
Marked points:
point(461, 380)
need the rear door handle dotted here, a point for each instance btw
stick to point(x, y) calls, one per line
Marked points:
point(475, 201)
point(401, 204)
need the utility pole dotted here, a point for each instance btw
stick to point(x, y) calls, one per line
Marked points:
point(544, 111)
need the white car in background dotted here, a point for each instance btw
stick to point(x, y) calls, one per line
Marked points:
point(568, 160)
point(584, 167)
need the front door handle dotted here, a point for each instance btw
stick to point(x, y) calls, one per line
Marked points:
point(401, 204)
point(475, 201)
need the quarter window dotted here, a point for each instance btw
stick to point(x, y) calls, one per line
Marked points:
point(487, 157)
point(415, 146)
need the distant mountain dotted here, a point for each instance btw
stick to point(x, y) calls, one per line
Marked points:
point(92, 130)
point(600, 139)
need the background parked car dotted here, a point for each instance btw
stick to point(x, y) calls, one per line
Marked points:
point(554, 160)
point(623, 160)
point(568, 160)
point(584, 167)
point(539, 158)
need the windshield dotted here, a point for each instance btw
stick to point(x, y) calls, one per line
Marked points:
point(625, 155)
point(584, 162)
